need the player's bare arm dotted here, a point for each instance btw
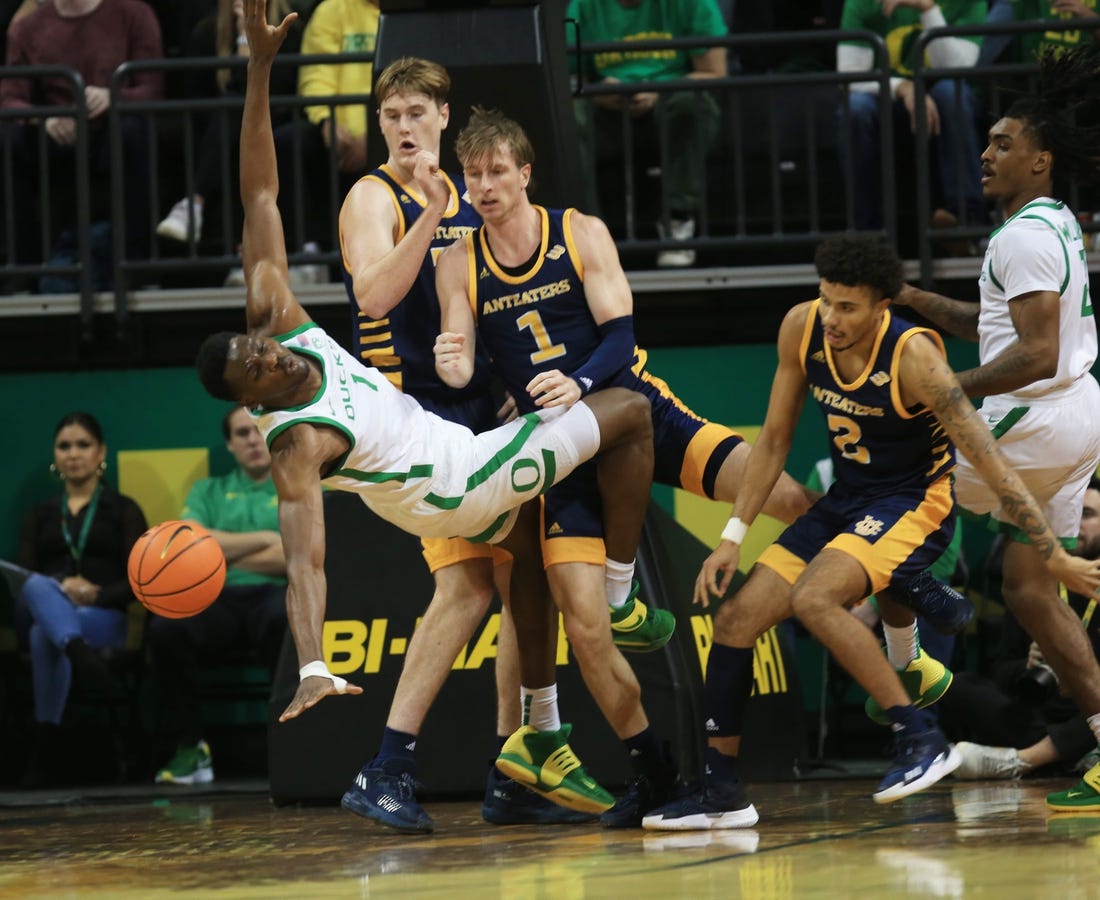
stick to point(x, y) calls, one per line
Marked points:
point(767, 456)
point(956, 317)
point(298, 457)
point(1032, 358)
point(271, 307)
point(384, 269)
point(926, 378)
point(454, 346)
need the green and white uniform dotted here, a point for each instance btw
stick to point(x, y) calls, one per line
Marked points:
point(431, 477)
point(1049, 429)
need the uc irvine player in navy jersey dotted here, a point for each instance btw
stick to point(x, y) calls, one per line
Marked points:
point(393, 225)
point(399, 344)
point(893, 408)
point(537, 318)
point(544, 291)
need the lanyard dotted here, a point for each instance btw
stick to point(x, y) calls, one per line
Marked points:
point(77, 549)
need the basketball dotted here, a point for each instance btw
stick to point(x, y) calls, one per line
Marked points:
point(176, 569)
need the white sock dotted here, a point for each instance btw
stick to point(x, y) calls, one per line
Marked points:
point(901, 644)
point(618, 577)
point(540, 708)
point(1094, 724)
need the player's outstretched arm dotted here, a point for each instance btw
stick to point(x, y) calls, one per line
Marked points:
point(454, 347)
point(271, 307)
point(297, 457)
point(766, 458)
point(927, 378)
point(956, 317)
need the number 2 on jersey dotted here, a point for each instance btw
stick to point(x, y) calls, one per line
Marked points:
point(846, 435)
point(547, 350)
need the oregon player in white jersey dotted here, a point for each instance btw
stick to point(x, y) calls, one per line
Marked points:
point(327, 416)
point(1037, 344)
point(423, 473)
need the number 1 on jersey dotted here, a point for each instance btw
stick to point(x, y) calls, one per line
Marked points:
point(547, 350)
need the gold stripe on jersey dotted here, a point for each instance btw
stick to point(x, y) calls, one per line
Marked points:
point(872, 358)
point(394, 200)
point(571, 244)
point(895, 368)
point(523, 277)
point(471, 272)
point(807, 334)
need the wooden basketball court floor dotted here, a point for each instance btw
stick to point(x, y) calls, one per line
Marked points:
point(819, 838)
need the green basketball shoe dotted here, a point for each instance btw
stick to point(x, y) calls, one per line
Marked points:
point(925, 679)
point(635, 628)
point(1084, 797)
point(544, 762)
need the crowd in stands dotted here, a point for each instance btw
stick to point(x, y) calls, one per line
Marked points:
point(683, 139)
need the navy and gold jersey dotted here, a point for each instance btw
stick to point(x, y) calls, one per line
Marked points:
point(400, 345)
point(877, 445)
point(537, 320)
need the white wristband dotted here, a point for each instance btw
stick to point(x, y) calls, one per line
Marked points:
point(318, 667)
point(735, 530)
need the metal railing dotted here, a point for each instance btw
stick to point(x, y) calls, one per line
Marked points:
point(777, 182)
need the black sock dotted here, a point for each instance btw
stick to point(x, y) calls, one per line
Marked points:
point(720, 766)
point(397, 745)
point(645, 752)
point(726, 690)
point(906, 718)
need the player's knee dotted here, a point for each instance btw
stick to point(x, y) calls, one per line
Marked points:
point(623, 415)
point(590, 641)
point(738, 624)
point(807, 603)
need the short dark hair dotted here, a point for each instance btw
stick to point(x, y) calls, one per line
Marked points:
point(85, 420)
point(210, 364)
point(858, 260)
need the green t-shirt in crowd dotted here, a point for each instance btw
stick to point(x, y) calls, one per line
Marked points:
point(235, 502)
point(608, 20)
point(1033, 43)
point(902, 29)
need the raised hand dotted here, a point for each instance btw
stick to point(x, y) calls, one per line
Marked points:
point(264, 40)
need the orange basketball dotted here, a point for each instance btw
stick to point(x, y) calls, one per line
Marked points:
point(176, 569)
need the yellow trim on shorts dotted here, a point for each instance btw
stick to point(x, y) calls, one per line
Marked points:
point(881, 559)
point(439, 553)
point(556, 551)
point(698, 453)
point(781, 561)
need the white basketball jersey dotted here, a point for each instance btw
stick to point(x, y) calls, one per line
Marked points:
point(394, 441)
point(1039, 249)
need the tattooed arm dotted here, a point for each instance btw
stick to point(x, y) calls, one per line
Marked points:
point(956, 317)
point(1032, 358)
point(926, 378)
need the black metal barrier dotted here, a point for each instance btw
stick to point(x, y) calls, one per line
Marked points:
point(777, 180)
